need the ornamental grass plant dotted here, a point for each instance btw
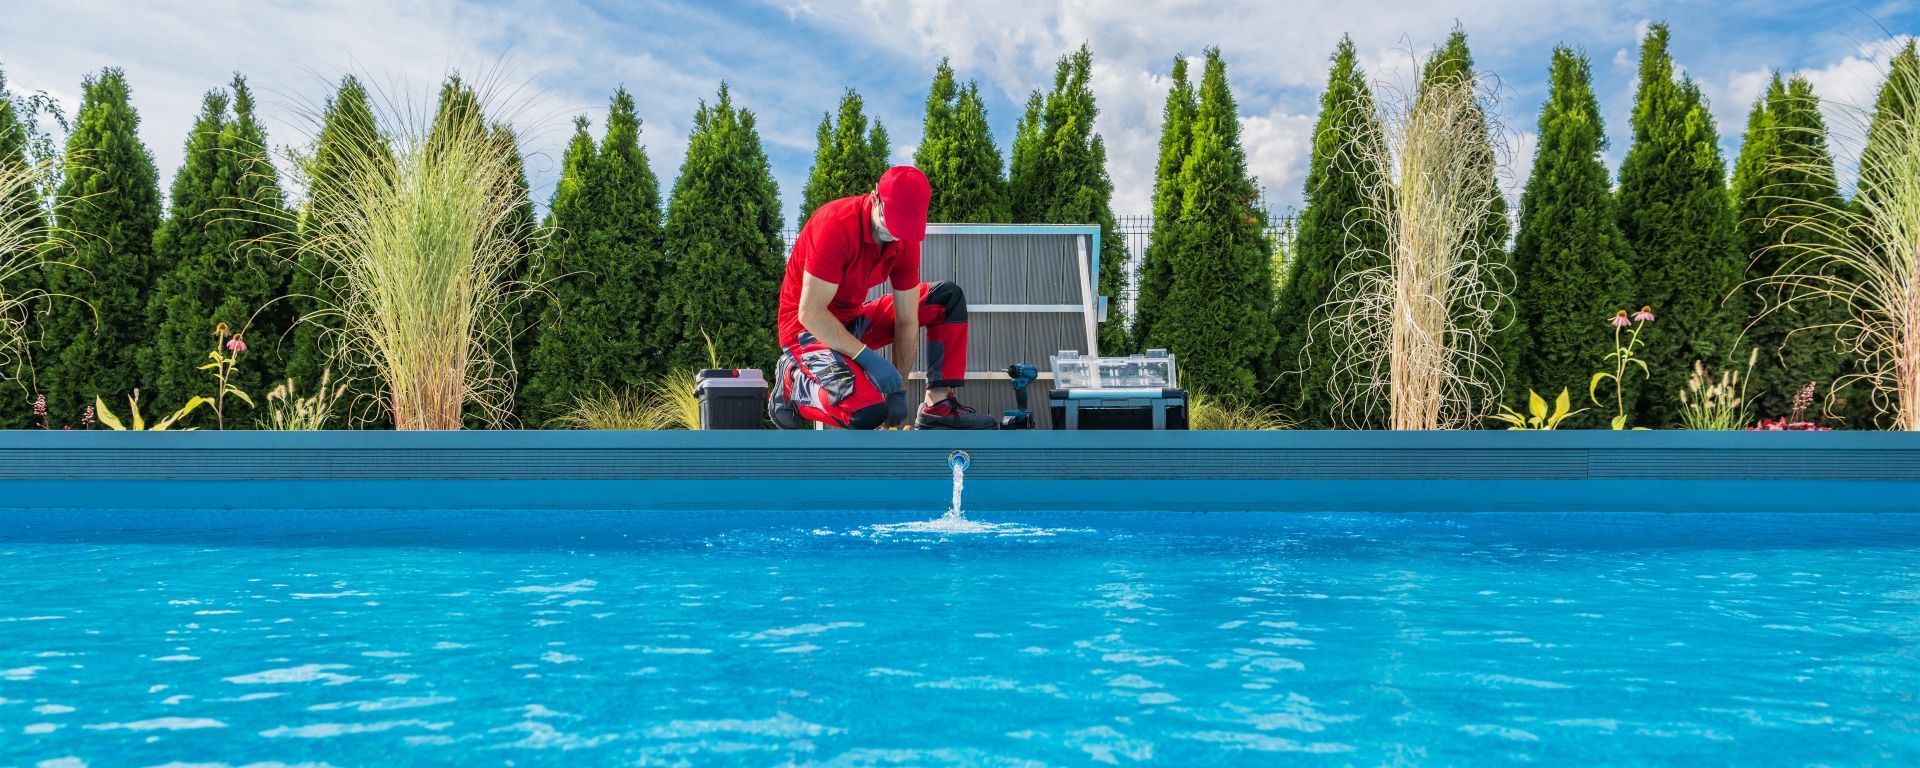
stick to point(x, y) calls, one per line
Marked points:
point(24, 240)
point(1230, 414)
point(420, 249)
point(669, 403)
point(1411, 324)
point(1717, 403)
point(288, 412)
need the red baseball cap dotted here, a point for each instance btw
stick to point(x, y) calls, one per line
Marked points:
point(904, 193)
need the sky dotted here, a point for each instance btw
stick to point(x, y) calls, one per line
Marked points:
point(549, 61)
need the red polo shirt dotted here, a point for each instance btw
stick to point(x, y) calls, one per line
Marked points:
point(837, 245)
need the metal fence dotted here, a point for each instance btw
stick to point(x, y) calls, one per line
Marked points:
point(1136, 230)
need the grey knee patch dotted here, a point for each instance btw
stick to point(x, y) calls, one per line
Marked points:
point(949, 296)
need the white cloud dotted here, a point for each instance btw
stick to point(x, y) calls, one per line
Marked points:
point(789, 61)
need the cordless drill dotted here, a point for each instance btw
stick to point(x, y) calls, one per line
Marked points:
point(1020, 417)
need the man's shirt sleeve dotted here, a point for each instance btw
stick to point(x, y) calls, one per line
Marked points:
point(826, 258)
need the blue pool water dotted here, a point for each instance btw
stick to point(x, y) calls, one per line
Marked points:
point(494, 638)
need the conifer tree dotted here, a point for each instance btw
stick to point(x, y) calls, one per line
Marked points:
point(349, 135)
point(1328, 230)
point(1892, 107)
point(1785, 173)
point(1176, 140)
point(604, 270)
point(959, 157)
point(1889, 107)
point(16, 369)
point(1059, 176)
point(723, 246)
point(1221, 293)
point(849, 159)
point(107, 210)
point(1569, 259)
point(1673, 211)
point(569, 288)
point(524, 300)
point(219, 265)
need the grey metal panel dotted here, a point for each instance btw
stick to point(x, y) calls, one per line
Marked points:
point(1002, 268)
point(1006, 266)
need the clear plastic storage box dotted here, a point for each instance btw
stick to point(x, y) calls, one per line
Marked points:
point(1151, 370)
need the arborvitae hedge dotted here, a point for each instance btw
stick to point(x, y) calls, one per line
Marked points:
point(723, 246)
point(348, 135)
point(959, 157)
point(849, 158)
point(1674, 214)
point(220, 262)
point(1337, 179)
point(1569, 260)
point(107, 211)
point(1785, 173)
point(603, 269)
point(1176, 140)
point(1059, 176)
point(1217, 304)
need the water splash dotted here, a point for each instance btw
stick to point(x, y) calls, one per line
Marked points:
point(959, 461)
point(955, 520)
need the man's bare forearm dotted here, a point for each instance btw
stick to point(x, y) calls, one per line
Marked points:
point(906, 345)
point(830, 332)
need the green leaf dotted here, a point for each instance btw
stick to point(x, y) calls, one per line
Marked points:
point(139, 422)
point(1561, 404)
point(1537, 406)
point(1620, 422)
point(235, 391)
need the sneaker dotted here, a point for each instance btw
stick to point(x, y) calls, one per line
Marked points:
point(950, 414)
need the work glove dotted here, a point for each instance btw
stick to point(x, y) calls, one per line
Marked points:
point(896, 410)
point(887, 379)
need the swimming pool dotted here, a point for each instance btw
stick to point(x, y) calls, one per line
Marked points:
point(143, 637)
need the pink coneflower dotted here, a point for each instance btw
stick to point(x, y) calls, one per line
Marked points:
point(1620, 319)
point(235, 345)
point(40, 405)
point(1645, 315)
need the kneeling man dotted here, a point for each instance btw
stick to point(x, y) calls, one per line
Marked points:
point(828, 370)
